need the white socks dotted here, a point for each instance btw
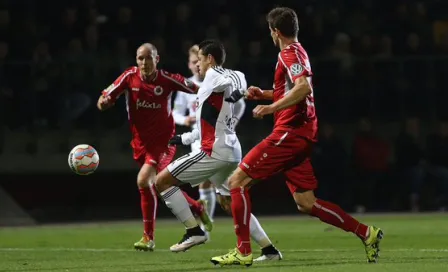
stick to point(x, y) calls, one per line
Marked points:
point(178, 205)
point(209, 195)
point(257, 233)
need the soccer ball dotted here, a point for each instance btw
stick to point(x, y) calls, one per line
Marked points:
point(83, 159)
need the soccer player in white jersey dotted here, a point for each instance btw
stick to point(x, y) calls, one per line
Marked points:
point(182, 104)
point(187, 102)
point(219, 154)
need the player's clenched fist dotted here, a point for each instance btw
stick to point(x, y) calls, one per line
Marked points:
point(262, 110)
point(104, 102)
point(254, 93)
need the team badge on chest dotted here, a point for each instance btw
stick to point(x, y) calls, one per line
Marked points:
point(158, 90)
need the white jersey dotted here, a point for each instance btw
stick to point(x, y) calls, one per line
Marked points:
point(183, 102)
point(216, 118)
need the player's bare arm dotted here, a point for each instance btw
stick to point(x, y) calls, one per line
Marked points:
point(104, 102)
point(255, 93)
point(296, 95)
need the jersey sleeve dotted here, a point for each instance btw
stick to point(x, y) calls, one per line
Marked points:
point(190, 137)
point(242, 80)
point(239, 108)
point(216, 82)
point(240, 105)
point(294, 65)
point(180, 108)
point(178, 82)
point(120, 85)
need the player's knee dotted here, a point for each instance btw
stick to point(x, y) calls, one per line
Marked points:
point(305, 208)
point(164, 180)
point(239, 179)
point(146, 176)
point(304, 201)
point(143, 180)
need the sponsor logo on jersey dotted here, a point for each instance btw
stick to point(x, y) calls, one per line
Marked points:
point(296, 69)
point(136, 89)
point(147, 105)
point(158, 90)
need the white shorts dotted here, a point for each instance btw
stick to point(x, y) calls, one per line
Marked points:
point(197, 167)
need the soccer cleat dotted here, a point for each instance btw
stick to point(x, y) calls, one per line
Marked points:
point(188, 241)
point(372, 244)
point(269, 254)
point(145, 244)
point(234, 257)
point(269, 257)
point(205, 218)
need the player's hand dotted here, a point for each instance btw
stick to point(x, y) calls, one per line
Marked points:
point(104, 102)
point(262, 110)
point(235, 96)
point(189, 121)
point(176, 140)
point(254, 93)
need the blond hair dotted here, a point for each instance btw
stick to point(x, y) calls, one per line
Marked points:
point(194, 49)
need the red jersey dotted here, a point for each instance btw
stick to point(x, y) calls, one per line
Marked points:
point(149, 104)
point(292, 63)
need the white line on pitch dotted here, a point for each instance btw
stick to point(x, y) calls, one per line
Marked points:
point(215, 250)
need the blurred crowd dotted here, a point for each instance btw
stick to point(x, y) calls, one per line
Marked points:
point(408, 172)
point(368, 58)
point(384, 60)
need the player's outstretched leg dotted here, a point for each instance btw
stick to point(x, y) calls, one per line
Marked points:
point(148, 202)
point(332, 214)
point(176, 202)
point(207, 197)
point(268, 251)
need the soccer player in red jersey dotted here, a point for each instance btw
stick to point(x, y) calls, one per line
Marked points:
point(287, 150)
point(148, 101)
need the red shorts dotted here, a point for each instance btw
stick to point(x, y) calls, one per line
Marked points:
point(282, 153)
point(157, 157)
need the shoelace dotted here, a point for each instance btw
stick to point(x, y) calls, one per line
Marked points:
point(231, 253)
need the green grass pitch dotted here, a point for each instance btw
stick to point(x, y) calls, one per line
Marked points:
point(411, 243)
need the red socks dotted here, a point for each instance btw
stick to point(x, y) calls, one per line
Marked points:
point(333, 214)
point(241, 210)
point(195, 207)
point(148, 202)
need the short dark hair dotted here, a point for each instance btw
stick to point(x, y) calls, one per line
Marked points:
point(214, 48)
point(285, 20)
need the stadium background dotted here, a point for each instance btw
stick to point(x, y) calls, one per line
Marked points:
point(380, 87)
